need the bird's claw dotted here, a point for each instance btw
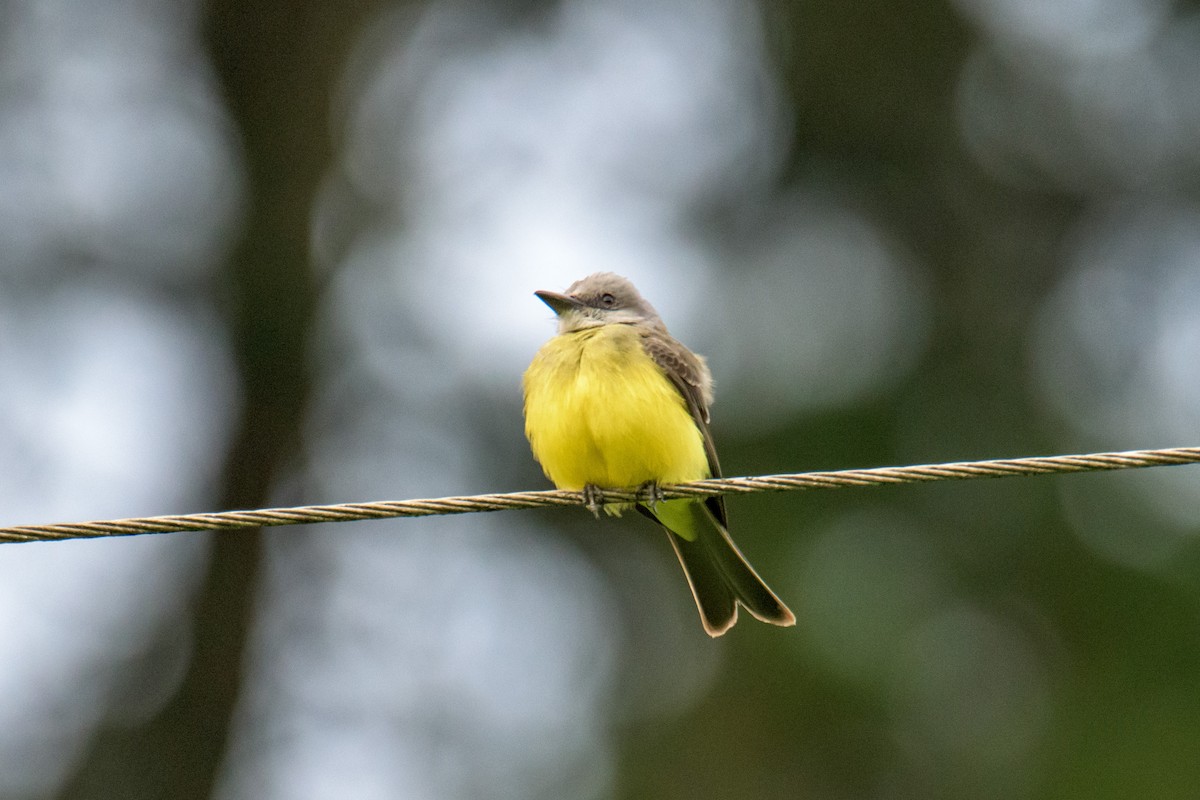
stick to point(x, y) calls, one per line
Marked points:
point(593, 499)
point(650, 494)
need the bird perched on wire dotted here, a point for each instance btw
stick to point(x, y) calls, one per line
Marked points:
point(613, 401)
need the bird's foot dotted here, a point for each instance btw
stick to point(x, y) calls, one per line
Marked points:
point(593, 498)
point(650, 494)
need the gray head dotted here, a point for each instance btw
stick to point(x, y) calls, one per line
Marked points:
point(602, 298)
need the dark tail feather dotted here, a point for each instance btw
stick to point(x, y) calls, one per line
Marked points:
point(710, 587)
point(720, 577)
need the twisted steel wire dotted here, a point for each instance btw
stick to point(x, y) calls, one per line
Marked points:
point(349, 512)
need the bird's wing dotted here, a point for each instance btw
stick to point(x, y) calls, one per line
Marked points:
point(689, 374)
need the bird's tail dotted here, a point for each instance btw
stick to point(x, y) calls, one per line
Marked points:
point(719, 575)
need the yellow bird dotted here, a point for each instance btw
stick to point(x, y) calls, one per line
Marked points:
point(613, 402)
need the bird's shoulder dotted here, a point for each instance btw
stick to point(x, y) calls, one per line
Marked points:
point(687, 370)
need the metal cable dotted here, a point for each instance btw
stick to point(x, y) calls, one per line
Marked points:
point(348, 512)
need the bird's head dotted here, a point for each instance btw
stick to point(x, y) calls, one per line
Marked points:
point(603, 298)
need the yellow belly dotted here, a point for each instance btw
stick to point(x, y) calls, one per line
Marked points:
point(598, 410)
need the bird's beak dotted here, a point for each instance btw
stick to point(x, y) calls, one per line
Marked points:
point(561, 303)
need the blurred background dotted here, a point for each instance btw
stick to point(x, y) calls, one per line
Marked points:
point(268, 253)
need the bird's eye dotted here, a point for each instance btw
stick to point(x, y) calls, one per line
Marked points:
point(607, 300)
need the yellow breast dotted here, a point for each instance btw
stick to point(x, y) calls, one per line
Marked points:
point(598, 410)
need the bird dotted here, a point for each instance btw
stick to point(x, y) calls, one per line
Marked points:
point(613, 401)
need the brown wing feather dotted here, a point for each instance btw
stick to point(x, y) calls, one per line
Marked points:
point(689, 374)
